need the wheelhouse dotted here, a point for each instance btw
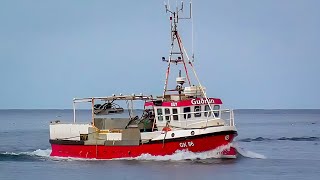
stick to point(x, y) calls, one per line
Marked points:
point(186, 113)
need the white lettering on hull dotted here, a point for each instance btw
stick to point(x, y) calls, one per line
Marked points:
point(186, 144)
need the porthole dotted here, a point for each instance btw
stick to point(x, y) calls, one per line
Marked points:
point(172, 134)
point(192, 133)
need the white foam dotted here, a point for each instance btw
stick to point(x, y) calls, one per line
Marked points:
point(184, 155)
point(39, 152)
point(11, 153)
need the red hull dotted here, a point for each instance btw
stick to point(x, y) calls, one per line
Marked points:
point(197, 144)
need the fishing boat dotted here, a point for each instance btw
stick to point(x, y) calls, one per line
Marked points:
point(183, 118)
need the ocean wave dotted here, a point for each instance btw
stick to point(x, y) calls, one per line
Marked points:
point(303, 138)
point(25, 156)
point(212, 154)
point(185, 155)
point(247, 153)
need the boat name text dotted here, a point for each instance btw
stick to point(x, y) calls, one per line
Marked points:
point(201, 101)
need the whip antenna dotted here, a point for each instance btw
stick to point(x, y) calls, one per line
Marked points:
point(191, 17)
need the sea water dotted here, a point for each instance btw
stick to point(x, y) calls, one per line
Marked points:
point(273, 144)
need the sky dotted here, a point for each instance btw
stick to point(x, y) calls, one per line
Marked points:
point(251, 54)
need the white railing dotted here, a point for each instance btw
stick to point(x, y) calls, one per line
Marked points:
point(231, 116)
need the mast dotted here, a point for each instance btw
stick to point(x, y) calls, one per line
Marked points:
point(176, 56)
point(181, 55)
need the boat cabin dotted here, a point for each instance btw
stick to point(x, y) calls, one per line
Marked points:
point(186, 113)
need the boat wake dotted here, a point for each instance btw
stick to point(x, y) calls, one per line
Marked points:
point(25, 156)
point(246, 153)
point(212, 154)
point(185, 155)
point(303, 138)
point(40, 155)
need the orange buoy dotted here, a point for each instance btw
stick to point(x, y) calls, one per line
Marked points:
point(166, 129)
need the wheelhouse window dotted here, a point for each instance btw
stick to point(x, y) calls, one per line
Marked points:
point(207, 112)
point(187, 110)
point(175, 112)
point(167, 112)
point(217, 112)
point(159, 113)
point(197, 109)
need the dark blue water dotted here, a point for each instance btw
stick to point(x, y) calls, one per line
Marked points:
point(275, 144)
